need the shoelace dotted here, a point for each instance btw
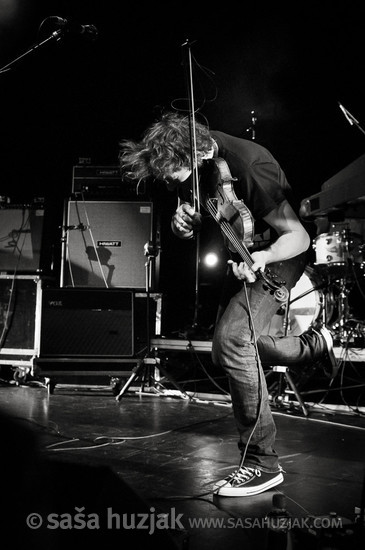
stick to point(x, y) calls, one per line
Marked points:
point(243, 474)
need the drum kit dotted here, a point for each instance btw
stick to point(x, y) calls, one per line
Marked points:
point(331, 290)
point(341, 264)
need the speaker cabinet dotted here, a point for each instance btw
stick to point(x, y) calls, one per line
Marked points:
point(92, 323)
point(104, 244)
point(20, 308)
point(21, 230)
point(97, 324)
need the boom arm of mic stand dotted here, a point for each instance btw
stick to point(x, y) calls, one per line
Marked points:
point(56, 35)
point(350, 118)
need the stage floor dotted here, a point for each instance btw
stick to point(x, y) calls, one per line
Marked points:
point(81, 450)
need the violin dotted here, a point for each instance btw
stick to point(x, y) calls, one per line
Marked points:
point(219, 198)
point(234, 218)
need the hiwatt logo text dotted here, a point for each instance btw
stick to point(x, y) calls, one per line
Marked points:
point(110, 243)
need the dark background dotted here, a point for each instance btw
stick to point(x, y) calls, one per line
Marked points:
point(76, 98)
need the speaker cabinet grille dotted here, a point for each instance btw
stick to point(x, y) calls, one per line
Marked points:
point(21, 239)
point(20, 302)
point(92, 323)
point(105, 244)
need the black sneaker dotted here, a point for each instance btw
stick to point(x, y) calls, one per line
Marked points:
point(329, 362)
point(245, 482)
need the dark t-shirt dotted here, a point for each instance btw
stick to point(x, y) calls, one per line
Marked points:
point(259, 181)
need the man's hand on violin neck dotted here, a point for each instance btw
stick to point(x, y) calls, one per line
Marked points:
point(245, 273)
point(242, 272)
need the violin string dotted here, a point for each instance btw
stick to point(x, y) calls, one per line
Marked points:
point(239, 245)
point(229, 233)
point(226, 227)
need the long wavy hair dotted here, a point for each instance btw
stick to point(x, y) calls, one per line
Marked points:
point(164, 148)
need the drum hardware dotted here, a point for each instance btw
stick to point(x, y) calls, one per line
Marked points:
point(308, 304)
point(355, 334)
point(341, 328)
point(343, 310)
point(282, 397)
point(312, 301)
point(339, 259)
point(285, 380)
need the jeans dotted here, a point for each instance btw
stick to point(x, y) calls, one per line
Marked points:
point(233, 348)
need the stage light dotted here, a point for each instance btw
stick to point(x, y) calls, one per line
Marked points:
point(211, 259)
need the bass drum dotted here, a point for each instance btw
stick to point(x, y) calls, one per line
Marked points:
point(306, 307)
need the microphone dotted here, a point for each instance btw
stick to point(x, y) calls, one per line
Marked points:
point(279, 524)
point(351, 119)
point(88, 31)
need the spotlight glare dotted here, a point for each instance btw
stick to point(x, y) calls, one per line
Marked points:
point(211, 259)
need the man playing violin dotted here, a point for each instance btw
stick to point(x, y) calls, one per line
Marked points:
point(240, 345)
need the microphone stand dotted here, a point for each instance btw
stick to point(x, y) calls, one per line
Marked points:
point(150, 252)
point(151, 363)
point(195, 324)
point(56, 35)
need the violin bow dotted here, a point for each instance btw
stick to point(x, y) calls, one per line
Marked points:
point(194, 172)
point(193, 153)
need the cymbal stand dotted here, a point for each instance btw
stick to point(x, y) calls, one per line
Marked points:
point(343, 311)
